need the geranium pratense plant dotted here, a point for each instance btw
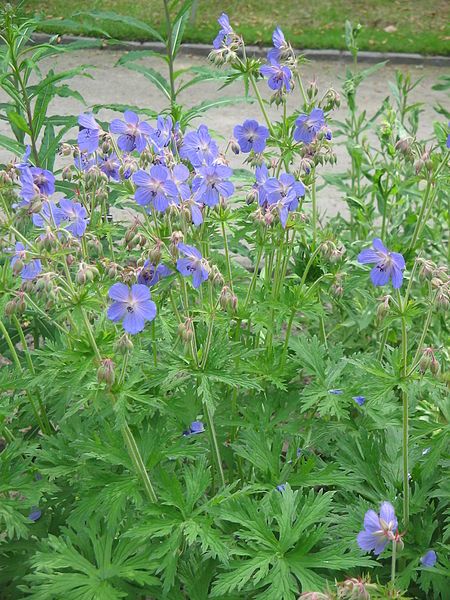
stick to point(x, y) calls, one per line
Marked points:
point(202, 392)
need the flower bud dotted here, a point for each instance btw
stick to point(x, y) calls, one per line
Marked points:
point(5, 178)
point(436, 282)
point(426, 269)
point(18, 266)
point(443, 299)
point(124, 344)
point(10, 308)
point(227, 299)
point(330, 100)
point(106, 147)
point(112, 270)
point(354, 589)
point(235, 148)
point(215, 275)
point(65, 149)
point(383, 307)
point(106, 373)
point(404, 145)
point(312, 90)
point(67, 173)
point(252, 196)
point(425, 360)
point(154, 253)
point(186, 330)
point(91, 273)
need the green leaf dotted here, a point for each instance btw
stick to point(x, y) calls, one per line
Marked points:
point(113, 17)
point(206, 105)
point(19, 121)
point(11, 145)
point(133, 55)
point(153, 76)
point(179, 25)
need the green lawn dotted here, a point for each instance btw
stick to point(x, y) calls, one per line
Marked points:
point(389, 25)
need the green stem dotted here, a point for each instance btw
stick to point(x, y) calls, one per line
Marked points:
point(227, 256)
point(422, 336)
point(302, 89)
point(419, 223)
point(393, 563)
point(214, 443)
point(173, 94)
point(154, 347)
point(405, 407)
point(18, 365)
point(314, 209)
point(254, 276)
point(383, 341)
point(138, 463)
point(26, 351)
point(123, 370)
point(261, 104)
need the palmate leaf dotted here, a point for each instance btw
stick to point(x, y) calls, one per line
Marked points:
point(282, 546)
point(90, 564)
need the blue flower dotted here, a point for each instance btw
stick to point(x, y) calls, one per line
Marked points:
point(198, 147)
point(109, 165)
point(429, 559)
point(226, 33)
point(379, 530)
point(156, 187)
point(308, 126)
point(284, 194)
point(389, 265)
point(35, 514)
point(336, 392)
point(35, 181)
point(27, 270)
point(50, 215)
point(251, 136)
point(193, 265)
point(279, 76)
point(162, 135)
point(149, 275)
point(134, 134)
point(281, 488)
point(262, 176)
point(359, 400)
point(211, 182)
point(195, 209)
point(131, 306)
point(84, 161)
point(76, 214)
point(89, 134)
point(195, 428)
point(280, 46)
point(180, 174)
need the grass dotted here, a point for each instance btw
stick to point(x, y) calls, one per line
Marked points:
point(388, 25)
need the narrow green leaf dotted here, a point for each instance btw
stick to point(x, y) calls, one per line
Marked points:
point(156, 78)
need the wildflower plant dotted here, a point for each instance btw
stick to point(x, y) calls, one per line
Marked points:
point(205, 396)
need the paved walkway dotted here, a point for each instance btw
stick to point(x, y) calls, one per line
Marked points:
point(119, 85)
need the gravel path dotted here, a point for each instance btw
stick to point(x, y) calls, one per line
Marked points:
point(119, 85)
